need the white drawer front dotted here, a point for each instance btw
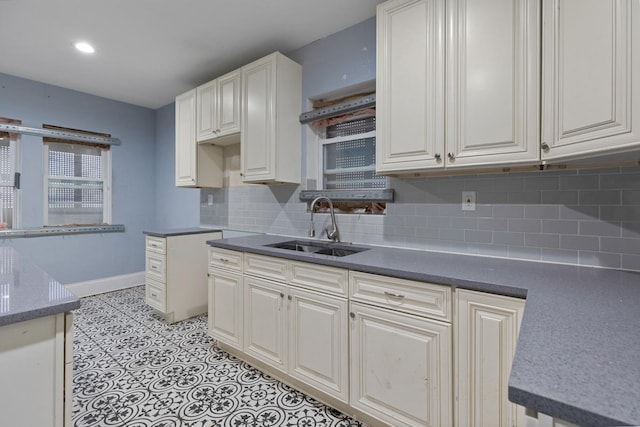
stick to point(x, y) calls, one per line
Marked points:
point(222, 258)
point(156, 267)
point(155, 295)
point(320, 278)
point(156, 244)
point(266, 266)
point(424, 299)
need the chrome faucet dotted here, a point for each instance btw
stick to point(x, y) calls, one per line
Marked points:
point(332, 230)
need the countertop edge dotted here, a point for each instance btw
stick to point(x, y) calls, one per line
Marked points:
point(36, 313)
point(180, 232)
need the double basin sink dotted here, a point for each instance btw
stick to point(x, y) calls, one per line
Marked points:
point(319, 247)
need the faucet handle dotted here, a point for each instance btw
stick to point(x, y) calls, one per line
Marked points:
point(332, 233)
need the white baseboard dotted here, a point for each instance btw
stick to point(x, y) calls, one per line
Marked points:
point(106, 284)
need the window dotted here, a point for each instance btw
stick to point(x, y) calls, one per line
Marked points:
point(77, 182)
point(8, 179)
point(349, 155)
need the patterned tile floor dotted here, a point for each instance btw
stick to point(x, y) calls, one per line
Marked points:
point(133, 369)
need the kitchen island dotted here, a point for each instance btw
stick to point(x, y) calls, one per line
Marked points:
point(36, 344)
point(577, 352)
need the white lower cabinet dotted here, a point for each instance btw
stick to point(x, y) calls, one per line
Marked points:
point(265, 322)
point(486, 334)
point(389, 351)
point(400, 367)
point(318, 341)
point(226, 307)
point(176, 274)
point(36, 370)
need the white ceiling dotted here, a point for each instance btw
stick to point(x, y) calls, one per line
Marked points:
point(149, 51)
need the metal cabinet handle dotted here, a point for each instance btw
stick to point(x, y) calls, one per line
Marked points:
point(451, 156)
point(545, 147)
point(438, 157)
point(290, 297)
point(390, 295)
point(352, 315)
point(224, 259)
point(281, 294)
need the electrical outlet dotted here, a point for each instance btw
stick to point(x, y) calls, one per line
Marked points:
point(209, 199)
point(468, 200)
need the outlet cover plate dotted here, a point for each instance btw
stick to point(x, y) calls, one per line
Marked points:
point(468, 200)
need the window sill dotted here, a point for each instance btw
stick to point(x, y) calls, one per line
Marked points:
point(62, 230)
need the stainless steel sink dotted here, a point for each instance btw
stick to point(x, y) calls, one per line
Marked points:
point(320, 248)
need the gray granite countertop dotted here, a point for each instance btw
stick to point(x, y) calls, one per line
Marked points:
point(180, 231)
point(578, 353)
point(27, 292)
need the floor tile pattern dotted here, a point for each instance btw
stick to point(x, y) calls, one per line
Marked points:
point(133, 369)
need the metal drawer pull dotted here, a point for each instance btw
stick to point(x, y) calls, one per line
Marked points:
point(390, 295)
point(281, 294)
point(224, 259)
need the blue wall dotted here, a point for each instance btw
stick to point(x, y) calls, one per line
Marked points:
point(90, 256)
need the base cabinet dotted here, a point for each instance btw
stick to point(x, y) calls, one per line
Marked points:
point(318, 341)
point(36, 367)
point(388, 351)
point(486, 334)
point(265, 322)
point(400, 367)
point(176, 274)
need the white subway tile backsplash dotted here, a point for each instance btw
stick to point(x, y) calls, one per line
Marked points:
point(539, 240)
point(581, 243)
point(528, 225)
point(583, 217)
point(559, 226)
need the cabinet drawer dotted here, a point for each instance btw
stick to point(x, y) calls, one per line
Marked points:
point(320, 278)
point(424, 299)
point(156, 244)
point(222, 258)
point(155, 295)
point(156, 267)
point(266, 266)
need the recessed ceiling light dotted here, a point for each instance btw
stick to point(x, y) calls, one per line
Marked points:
point(84, 47)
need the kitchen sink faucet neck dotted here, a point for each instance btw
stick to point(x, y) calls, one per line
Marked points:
point(331, 230)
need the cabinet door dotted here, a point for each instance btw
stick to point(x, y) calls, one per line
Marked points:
point(591, 77)
point(493, 74)
point(410, 85)
point(400, 367)
point(486, 331)
point(206, 98)
point(228, 104)
point(186, 139)
point(265, 329)
point(225, 307)
point(258, 117)
point(318, 351)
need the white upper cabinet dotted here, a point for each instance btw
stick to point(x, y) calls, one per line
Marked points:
point(591, 78)
point(186, 139)
point(218, 110)
point(478, 61)
point(492, 78)
point(197, 165)
point(410, 85)
point(270, 131)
